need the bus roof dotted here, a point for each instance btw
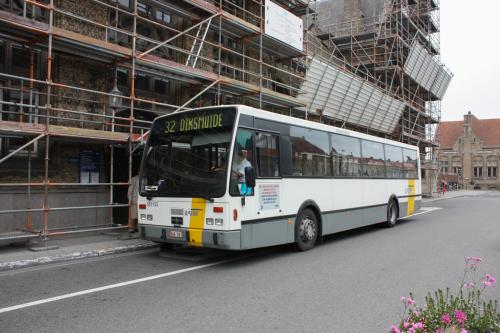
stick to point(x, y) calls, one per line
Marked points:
point(251, 111)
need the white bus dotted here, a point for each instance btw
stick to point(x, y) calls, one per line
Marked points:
point(235, 177)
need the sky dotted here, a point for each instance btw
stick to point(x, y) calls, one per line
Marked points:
point(470, 48)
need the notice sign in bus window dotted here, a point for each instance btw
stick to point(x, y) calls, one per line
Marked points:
point(269, 196)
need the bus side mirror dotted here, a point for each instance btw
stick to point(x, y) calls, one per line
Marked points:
point(250, 176)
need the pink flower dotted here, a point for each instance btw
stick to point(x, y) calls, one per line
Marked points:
point(445, 319)
point(460, 316)
point(438, 331)
point(395, 329)
point(490, 278)
point(418, 325)
point(475, 260)
point(406, 325)
point(469, 285)
point(463, 330)
point(487, 283)
point(402, 299)
point(410, 301)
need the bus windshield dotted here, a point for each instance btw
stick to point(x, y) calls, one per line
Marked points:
point(187, 155)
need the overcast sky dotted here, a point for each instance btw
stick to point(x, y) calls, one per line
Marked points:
point(470, 47)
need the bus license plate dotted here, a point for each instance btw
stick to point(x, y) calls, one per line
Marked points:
point(175, 234)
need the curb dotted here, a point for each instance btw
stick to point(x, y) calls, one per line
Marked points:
point(10, 265)
point(439, 199)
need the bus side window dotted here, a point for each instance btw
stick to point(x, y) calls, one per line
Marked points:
point(267, 155)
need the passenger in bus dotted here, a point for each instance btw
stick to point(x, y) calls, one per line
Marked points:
point(240, 162)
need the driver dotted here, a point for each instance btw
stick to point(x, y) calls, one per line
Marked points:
point(240, 164)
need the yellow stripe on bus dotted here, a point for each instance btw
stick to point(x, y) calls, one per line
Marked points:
point(411, 199)
point(197, 221)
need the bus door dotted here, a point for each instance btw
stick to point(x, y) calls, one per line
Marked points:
point(260, 151)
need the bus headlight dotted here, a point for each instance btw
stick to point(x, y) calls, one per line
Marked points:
point(210, 221)
point(150, 217)
point(219, 221)
point(143, 217)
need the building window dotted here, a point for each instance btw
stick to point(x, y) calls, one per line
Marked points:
point(143, 9)
point(163, 16)
point(142, 82)
point(122, 77)
point(161, 86)
point(492, 172)
point(478, 171)
point(457, 170)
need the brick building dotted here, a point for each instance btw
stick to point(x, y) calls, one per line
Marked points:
point(470, 152)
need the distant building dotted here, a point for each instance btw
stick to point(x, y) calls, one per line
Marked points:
point(470, 152)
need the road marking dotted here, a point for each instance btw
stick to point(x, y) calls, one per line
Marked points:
point(424, 210)
point(111, 286)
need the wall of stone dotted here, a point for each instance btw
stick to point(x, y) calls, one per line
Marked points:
point(86, 9)
point(85, 74)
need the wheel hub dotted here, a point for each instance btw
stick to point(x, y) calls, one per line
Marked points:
point(307, 229)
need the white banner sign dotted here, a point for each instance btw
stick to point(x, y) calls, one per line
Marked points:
point(283, 25)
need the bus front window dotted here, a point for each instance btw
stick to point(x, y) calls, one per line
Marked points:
point(186, 160)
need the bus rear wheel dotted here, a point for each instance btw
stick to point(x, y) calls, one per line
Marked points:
point(392, 214)
point(306, 230)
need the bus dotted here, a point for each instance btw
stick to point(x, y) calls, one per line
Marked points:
point(237, 178)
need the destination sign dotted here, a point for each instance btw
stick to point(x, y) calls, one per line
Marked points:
point(195, 121)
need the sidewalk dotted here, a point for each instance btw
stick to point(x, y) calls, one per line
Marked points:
point(91, 245)
point(454, 194)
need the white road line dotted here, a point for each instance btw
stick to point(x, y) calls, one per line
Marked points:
point(110, 286)
point(424, 210)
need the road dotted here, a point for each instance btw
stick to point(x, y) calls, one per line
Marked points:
point(350, 283)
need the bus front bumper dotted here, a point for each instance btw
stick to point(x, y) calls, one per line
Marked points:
point(227, 240)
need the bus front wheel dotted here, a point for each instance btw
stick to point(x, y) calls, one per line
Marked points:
point(306, 230)
point(392, 213)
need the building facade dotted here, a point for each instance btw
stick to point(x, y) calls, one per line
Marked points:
point(470, 153)
point(81, 82)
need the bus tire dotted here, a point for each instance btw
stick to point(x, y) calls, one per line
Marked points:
point(306, 230)
point(392, 213)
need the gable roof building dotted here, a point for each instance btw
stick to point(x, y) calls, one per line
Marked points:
point(470, 152)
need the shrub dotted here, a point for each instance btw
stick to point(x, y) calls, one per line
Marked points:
point(445, 312)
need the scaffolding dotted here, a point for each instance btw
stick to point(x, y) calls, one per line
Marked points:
point(395, 47)
point(189, 53)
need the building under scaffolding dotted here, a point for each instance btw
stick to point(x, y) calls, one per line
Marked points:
point(81, 82)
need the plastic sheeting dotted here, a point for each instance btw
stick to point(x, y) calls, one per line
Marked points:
point(348, 98)
point(426, 71)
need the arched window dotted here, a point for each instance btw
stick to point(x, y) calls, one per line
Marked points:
point(492, 166)
point(477, 166)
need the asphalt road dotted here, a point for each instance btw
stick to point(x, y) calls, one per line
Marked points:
point(350, 283)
